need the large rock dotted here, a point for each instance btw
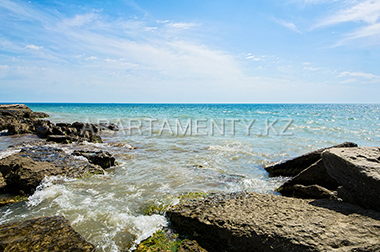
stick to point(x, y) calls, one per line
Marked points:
point(358, 171)
point(42, 234)
point(26, 169)
point(294, 166)
point(258, 222)
point(315, 174)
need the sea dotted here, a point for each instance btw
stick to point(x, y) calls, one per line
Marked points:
point(166, 150)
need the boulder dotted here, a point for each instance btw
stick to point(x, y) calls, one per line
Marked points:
point(294, 166)
point(101, 158)
point(26, 169)
point(59, 139)
point(42, 234)
point(257, 222)
point(315, 174)
point(358, 171)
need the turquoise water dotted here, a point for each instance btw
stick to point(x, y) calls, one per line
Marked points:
point(165, 161)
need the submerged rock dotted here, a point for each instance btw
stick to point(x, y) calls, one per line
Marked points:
point(42, 234)
point(25, 170)
point(296, 165)
point(258, 222)
point(358, 171)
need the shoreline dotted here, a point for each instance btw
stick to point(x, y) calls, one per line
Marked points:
point(208, 201)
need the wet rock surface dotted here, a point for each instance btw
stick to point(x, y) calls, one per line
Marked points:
point(257, 222)
point(190, 246)
point(25, 170)
point(296, 165)
point(358, 171)
point(101, 158)
point(42, 234)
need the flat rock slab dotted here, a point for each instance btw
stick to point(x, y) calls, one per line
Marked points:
point(296, 165)
point(42, 234)
point(358, 171)
point(257, 222)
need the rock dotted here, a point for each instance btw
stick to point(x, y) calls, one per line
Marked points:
point(294, 166)
point(59, 139)
point(19, 119)
point(2, 181)
point(358, 171)
point(108, 126)
point(26, 169)
point(42, 234)
point(310, 192)
point(315, 174)
point(101, 158)
point(256, 222)
point(190, 246)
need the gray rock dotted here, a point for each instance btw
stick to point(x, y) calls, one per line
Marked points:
point(294, 166)
point(42, 234)
point(315, 174)
point(258, 222)
point(26, 169)
point(358, 171)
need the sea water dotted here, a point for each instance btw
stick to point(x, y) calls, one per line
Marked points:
point(164, 150)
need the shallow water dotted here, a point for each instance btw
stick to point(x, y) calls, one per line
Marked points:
point(107, 210)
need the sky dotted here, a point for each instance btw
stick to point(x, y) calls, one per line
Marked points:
point(262, 51)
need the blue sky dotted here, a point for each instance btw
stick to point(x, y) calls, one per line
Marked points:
point(272, 51)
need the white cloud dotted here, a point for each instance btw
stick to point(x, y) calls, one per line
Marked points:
point(182, 25)
point(79, 20)
point(92, 58)
point(310, 68)
point(368, 31)
point(33, 47)
point(358, 74)
point(367, 11)
point(286, 24)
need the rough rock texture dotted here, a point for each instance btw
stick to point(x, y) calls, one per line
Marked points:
point(42, 234)
point(316, 175)
point(2, 181)
point(26, 169)
point(258, 222)
point(190, 246)
point(294, 166)
point(311, 192)
point(102, 158)
point(358, 171)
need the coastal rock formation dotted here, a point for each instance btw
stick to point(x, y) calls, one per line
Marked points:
point(20, 119)
point(257, 222)
point(309, 182)
point(42, 234)
point(296, 165)
point(26, 169)
point(102, 158)
point(190, 246)
point(358, 171)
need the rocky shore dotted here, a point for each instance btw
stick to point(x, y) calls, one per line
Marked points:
point(24, 170)
point(331, 201)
